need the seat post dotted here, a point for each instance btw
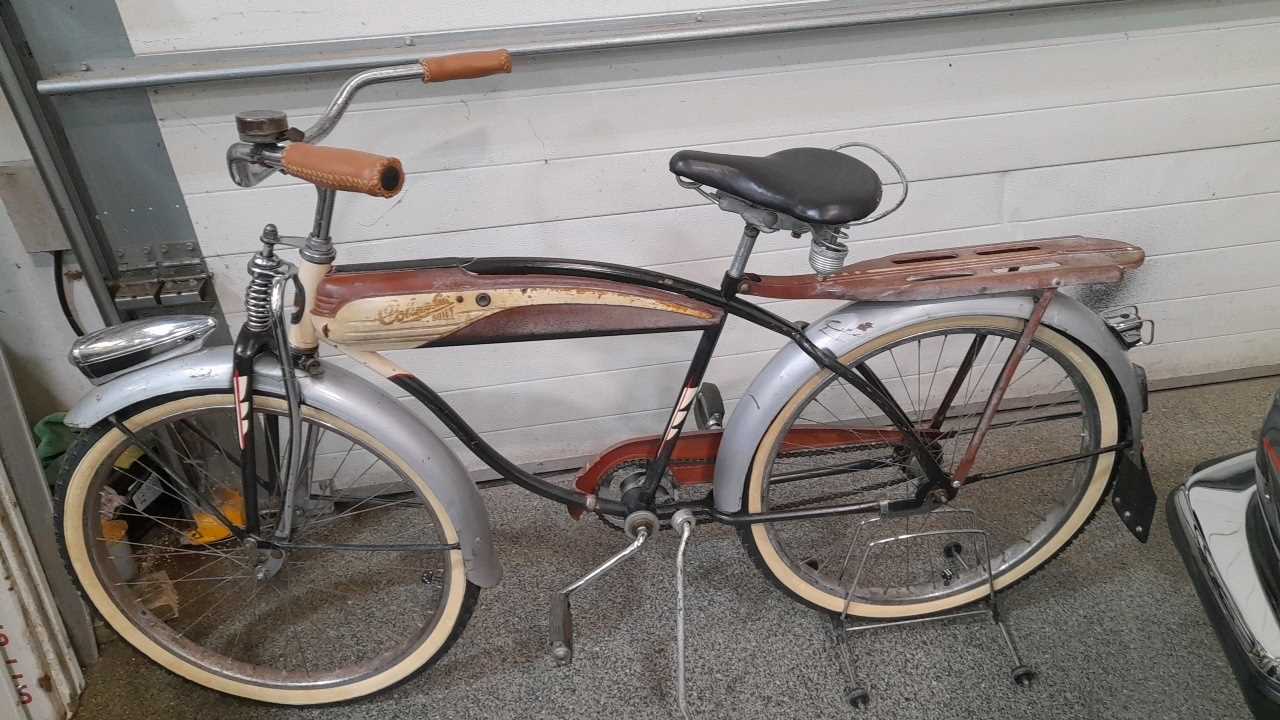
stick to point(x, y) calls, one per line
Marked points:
point(739, 265)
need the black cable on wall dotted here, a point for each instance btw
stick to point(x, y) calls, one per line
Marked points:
point(60, 286)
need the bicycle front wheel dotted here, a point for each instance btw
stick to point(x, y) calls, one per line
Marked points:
point(144, 528)
point(1039, 477)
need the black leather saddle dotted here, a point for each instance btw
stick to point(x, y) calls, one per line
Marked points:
point(815, 185)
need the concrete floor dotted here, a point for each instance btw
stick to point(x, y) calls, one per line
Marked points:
point(1113, 626)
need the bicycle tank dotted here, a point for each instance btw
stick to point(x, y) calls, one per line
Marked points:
point(387, 306)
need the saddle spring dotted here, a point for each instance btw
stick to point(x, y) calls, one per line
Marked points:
point(827, 252)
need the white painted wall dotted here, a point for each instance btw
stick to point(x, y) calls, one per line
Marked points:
point(205, 24)
point(1154, 123)
point(33, 333)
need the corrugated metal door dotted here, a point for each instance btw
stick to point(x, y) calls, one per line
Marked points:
point(41, 679)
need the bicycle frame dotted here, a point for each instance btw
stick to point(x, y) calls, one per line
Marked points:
point(259, 154)
point(724, 299)
point(1005, 290)
point(953, 273)
point(978, 270)
point(427, 285)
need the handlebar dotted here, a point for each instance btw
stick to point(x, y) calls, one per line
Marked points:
point(459, 66)
point(464, 66)
point(251, 163)
point(341, 169)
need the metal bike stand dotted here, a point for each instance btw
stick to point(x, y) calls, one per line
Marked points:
point(843, 626)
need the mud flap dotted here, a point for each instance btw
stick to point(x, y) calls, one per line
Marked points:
point(1133, 497)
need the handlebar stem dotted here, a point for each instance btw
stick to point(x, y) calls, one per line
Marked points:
point(319, 245)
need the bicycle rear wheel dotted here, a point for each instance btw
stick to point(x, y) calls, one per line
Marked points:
point(334, 622)
point(1038, 477)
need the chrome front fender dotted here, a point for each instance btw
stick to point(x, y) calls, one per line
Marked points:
point(858, 323)
point(337, 392)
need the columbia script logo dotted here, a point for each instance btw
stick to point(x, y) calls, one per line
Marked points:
point(441, 308)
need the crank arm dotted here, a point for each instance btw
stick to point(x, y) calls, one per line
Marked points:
point(561, 641)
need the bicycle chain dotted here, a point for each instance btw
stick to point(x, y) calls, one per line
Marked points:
point(837, 496)
point(788, 455)
point(641, 464)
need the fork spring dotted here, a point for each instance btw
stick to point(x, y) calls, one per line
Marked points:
point(257, 299)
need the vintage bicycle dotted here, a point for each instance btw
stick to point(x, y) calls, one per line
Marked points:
point(268, 524)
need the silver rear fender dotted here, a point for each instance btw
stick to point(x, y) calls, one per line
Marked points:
point(337, 392)
point(857, 323)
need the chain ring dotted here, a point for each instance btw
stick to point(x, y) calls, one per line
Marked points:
point(665, 494)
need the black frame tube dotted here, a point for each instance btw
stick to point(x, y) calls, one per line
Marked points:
point(977, 477)
point(494, 459)
point(675, 422)
point(860, 377)
point(724, 298)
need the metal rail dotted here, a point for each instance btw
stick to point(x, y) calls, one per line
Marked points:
point(53, 161)
point(528, 40)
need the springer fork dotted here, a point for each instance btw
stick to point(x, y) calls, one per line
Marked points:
point(269, 319)
point(293, 397)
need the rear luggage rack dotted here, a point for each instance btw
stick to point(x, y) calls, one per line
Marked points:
point(957, 272)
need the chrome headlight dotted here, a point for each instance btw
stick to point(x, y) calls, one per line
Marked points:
point(118, 349)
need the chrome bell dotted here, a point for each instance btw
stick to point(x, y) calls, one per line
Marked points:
point(262, 126)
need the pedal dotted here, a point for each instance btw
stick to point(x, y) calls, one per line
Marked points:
point(708, 408)
point(639, 526)
point(561, 647)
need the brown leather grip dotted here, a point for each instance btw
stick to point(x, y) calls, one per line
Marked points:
point(462, 66)
point(340, 169)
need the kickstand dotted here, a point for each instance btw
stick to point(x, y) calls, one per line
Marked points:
point(684, 522)
point(843, 625)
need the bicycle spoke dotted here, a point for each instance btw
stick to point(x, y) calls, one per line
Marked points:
point(311, 526)
point(1026, 453)
point(955, 456)
point(211, 608)
point(210, 553)
point(235, 642)
point(165, 488)
point(158, 521)
point(321, 590)
point(902, 379)
point(169, 582)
